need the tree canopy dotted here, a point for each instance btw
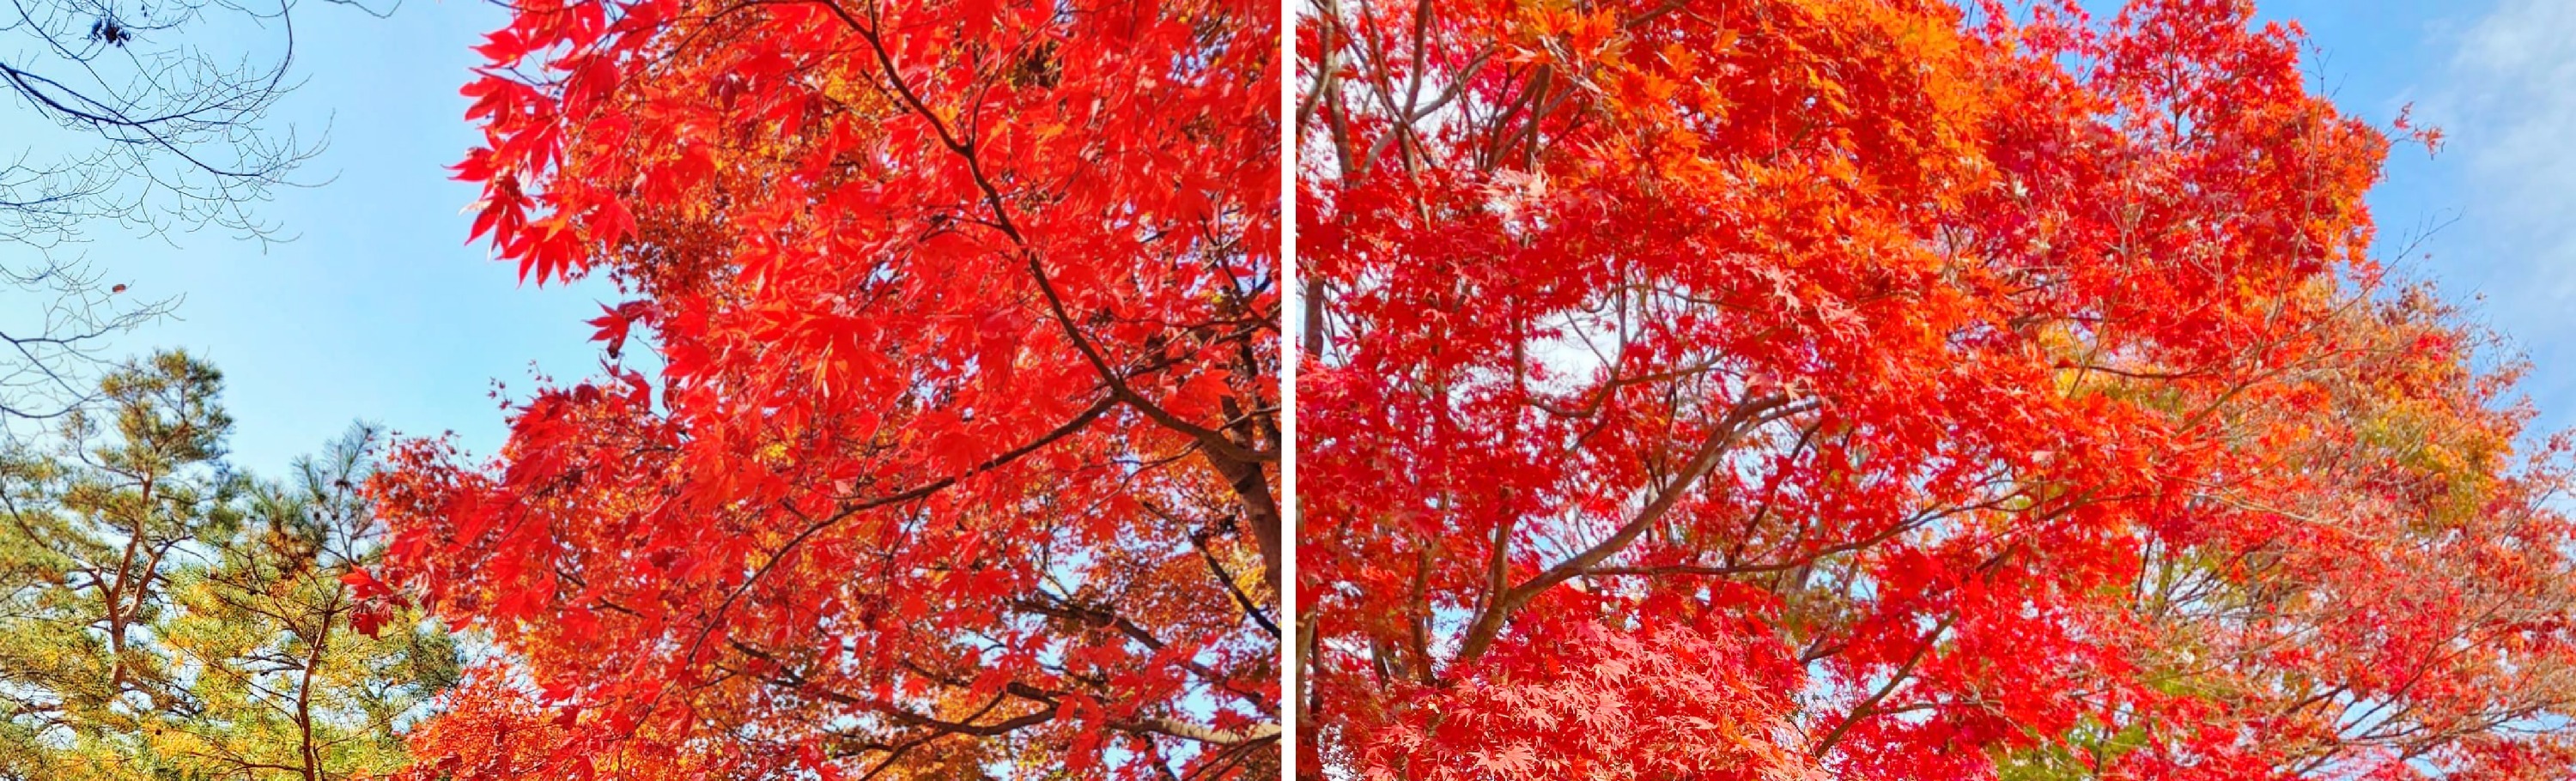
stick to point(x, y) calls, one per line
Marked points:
point(1892, 389)
point(938, 435)
point(165, 616)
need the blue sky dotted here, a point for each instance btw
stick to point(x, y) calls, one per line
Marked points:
point(380, 311)
point(2499, 78)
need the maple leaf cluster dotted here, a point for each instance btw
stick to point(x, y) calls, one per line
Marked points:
point(1891, 389)
point(955, 452)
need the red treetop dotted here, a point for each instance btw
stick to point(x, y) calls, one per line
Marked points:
point(961, 444)
point(1875, 389)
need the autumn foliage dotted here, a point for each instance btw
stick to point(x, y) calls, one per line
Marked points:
point(1882, 389)
point(938, 435)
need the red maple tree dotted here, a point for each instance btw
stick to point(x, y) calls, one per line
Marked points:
point(1888, 389)
point(958, 448)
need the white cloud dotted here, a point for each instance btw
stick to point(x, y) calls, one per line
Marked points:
point(2506, 101)
point(2513, 95)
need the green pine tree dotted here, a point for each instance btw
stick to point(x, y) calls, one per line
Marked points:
point(166, 617)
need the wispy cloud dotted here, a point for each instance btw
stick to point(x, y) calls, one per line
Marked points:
point(2507, 101)
point(2513, 93)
